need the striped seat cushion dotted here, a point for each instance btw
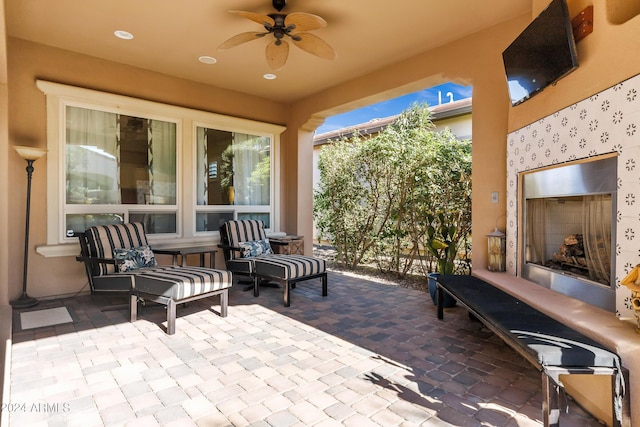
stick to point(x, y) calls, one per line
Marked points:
point(289, 267)
point(103, 239)
point(241, 265)
point(180, 282)
point(243, 231)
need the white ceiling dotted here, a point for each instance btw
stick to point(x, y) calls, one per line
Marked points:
point(171, 35)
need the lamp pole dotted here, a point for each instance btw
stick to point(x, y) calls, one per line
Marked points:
point(30, 155)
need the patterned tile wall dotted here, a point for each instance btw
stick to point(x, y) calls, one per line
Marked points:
point(603, 123)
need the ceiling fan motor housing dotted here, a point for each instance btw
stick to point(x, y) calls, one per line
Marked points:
point(279, 29)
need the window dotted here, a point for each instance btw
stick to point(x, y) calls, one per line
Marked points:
point(233, 177)
point(119, 168)
point(180, 171)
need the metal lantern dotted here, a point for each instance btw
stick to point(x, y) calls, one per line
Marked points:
point(497, 242)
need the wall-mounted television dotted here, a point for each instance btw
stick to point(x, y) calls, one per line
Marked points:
point(542, 54)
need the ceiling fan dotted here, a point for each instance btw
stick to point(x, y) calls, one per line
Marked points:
point(293, 26)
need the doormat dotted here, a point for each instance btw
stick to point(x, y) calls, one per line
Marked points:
point(47, 317)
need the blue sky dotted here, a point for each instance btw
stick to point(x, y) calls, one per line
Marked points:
point(440, 94)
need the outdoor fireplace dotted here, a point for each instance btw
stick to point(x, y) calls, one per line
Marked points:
point(569, 232)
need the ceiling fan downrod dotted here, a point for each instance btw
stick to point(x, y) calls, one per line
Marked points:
point(279, 4)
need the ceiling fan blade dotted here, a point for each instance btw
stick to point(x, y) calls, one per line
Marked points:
point(304, 21)
point(277, 54)
point(239, 39)
point(314, 45)
point(255, 17)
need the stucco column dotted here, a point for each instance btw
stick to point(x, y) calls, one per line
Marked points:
point(305, 189)
point(296, 185)
point(489, 164)
point(4, 196)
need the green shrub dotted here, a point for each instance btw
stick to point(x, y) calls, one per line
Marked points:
point(386, 198)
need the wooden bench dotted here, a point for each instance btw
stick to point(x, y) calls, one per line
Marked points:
point(552, 347)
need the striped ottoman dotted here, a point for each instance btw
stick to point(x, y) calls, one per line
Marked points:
point(288, 270)
point(171, 285)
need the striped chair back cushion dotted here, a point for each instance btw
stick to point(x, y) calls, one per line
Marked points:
point(244, 230)
point(102, 239)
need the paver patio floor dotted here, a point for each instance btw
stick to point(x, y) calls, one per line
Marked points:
point(369, 354)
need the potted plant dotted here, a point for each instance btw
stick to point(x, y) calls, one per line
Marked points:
point(441, 243)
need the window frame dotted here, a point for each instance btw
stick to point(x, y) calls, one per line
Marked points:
point(122, 208)
point(58, 96)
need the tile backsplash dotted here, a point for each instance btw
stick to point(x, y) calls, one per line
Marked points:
point(607, 122)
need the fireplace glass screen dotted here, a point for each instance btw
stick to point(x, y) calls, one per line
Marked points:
point(571, 234)
point(569, 229)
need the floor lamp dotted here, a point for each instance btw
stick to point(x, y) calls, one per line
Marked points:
point(30, 154)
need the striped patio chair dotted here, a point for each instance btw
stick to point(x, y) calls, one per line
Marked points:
point(247, 252)
point(117, 258)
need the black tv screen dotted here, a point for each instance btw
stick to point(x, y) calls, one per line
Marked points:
point(542, 54)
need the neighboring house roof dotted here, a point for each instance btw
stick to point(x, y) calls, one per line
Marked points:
point(373, 126)
point(451, 109)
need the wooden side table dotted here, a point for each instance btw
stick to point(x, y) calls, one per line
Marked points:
point(183, 252)
point(288, 245)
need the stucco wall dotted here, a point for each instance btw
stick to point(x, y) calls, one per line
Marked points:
point(4, 196)
point(27, 115)
point(4, 143)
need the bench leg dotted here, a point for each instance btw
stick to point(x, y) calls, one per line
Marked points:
point(550, 402)
point(171, 317)
point(224, 302)
point(626, 403)
point(440, 298)
point(133, 307)
point(324, 285)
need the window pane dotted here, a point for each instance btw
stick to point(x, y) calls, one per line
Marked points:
point(211, 221)
point(155, 223)
point(92, 157)
point(233, 168)
point(80, 222)
point(119, 159)
point(264, 217)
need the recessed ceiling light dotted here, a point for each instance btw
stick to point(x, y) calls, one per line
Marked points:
point(270, 76)
point(207, 59)
point(124, 35)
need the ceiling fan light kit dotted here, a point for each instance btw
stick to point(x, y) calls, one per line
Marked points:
point(294, 26)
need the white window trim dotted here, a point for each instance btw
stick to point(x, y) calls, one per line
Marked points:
point(61, 160)
point(59, 95)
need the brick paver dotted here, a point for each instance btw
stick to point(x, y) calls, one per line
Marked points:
point(369, 354)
